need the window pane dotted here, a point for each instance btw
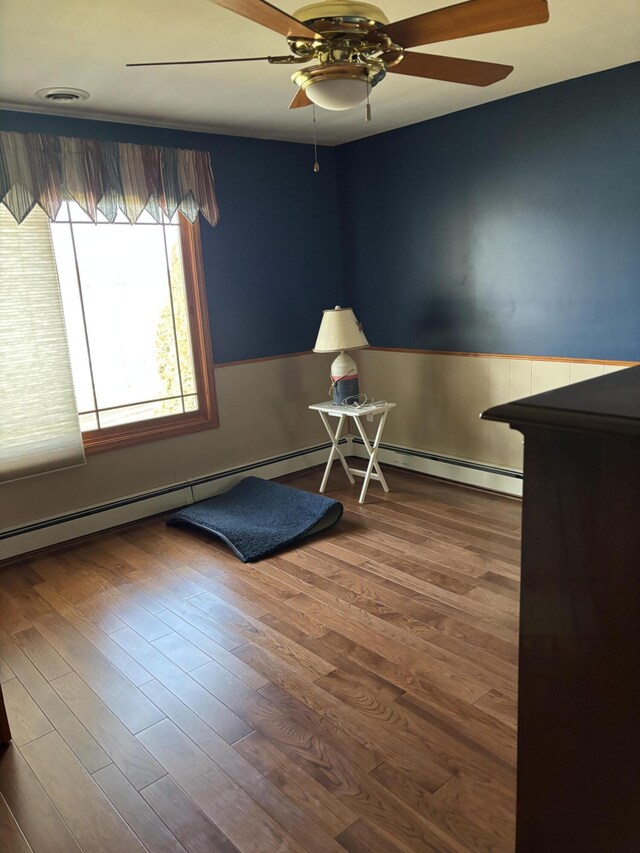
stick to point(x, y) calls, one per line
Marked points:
point(127, 317)
point(88, 422)
point(63, 213)
point(141, 412)
point(180, 309)
point(146, 218)
point(125, 288)
point(65, 261)
point(77, 213)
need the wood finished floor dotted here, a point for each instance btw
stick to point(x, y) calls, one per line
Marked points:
point(356, 693)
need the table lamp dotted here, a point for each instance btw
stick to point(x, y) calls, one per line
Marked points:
point(340, 331)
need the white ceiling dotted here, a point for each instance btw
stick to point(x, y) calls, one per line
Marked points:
point(85, 45)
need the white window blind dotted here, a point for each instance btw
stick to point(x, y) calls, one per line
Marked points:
point(39, 427)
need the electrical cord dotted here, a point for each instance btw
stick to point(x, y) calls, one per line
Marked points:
point(360, 401)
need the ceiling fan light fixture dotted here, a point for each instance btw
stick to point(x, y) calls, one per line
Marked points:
point(336, 86)
point(337, 94)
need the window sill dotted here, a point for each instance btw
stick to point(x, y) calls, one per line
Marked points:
point(130, 435)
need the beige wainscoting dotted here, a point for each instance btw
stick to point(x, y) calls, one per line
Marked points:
point(263, 414)
point(440, 397)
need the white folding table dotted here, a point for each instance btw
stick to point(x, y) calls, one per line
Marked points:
point(373, 471)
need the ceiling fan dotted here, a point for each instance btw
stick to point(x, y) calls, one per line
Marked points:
point(352, 45)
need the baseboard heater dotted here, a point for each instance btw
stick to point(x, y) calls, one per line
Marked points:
point(467, 471)
point(72, 525)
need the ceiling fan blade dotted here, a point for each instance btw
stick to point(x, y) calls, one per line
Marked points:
point(198, 61)
point(467, 19)
point(299, 100)
point(266, 15)
point(451, 69)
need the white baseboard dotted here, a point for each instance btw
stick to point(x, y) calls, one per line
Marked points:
point(467, 471)
point(57, 529)
point(52, 531)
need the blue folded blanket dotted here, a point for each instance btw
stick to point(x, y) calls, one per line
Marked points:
point(258, 517)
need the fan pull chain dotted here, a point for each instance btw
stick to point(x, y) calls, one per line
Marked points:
point(368, 104)
point(316, 165)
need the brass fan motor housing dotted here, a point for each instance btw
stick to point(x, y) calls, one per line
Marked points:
point(349, 11)
point(339, 19)
point(347, 32)
point(349, 45)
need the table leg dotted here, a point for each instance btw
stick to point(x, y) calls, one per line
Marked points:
point(372, 450)
point(335, 450)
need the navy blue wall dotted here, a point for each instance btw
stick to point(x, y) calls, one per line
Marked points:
point(273, 262)
point(513, 227)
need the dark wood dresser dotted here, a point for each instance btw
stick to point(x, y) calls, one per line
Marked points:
point(5, 730)
point(579, 678)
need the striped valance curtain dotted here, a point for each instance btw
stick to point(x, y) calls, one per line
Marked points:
point(44, 170)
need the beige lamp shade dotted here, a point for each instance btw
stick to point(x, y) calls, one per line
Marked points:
point(339, 330)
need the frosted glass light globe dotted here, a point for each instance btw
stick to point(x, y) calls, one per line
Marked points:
point(337, 94)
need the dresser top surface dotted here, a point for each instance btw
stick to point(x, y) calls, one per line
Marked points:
point(609, 404)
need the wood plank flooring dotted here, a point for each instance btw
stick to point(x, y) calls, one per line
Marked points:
point(356, 693)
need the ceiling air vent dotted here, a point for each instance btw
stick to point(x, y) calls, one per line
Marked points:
point(62, 95)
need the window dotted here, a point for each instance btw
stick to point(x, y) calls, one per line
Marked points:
point(136, 319)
